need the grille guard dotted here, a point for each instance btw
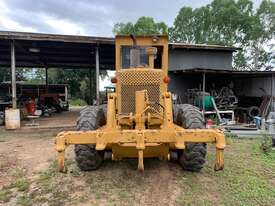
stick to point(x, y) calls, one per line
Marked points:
point(132, 80)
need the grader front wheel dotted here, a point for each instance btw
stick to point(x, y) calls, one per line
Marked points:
point(193, 156)
point(86, 156)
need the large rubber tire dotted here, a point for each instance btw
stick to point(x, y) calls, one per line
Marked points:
point(86, 156)
point(193, 156)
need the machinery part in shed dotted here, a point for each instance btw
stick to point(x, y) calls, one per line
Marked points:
point(251, 111)
point(87, 157)
point(193, 156)
point(225, 98)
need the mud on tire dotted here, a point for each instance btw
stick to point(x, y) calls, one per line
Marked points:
point(193, 156)
point(86, 156)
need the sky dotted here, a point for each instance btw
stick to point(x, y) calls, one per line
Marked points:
point(86, 17)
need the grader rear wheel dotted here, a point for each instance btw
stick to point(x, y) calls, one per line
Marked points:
point(192, 157)
point(86, 156)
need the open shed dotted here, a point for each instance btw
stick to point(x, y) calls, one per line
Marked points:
point(45, 51)
point(34, 50)
point(251, 88)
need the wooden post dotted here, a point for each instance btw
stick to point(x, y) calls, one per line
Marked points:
point(97, 74)
point(13, 75)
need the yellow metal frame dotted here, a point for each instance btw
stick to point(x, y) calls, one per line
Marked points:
point(141, 141)
point(141, 138)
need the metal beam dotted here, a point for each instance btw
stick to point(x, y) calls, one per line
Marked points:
point(203, 90)
point(97, 74)
point(90, 87)
point(13, 75)
point(46, 78)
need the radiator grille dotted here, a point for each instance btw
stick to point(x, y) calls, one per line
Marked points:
point(136, 80)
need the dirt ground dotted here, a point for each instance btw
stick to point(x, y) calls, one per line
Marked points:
point(31, 150)
point(28, 176)
point(65, 119)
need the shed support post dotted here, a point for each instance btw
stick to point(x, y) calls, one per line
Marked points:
point(203, 90)
point(97, 74)
point(13, 75)
point(90, 87)
point(46, 78)
point(272, 93)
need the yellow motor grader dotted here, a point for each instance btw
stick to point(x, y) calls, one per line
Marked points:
point(140, 121)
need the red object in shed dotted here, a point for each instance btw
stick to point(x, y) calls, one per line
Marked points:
point(209, 123)
point(31, 107)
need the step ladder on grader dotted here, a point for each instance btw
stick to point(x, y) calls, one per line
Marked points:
point(139, 120)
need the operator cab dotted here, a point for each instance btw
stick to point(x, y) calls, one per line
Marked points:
point(141, 52)
point(141, 66)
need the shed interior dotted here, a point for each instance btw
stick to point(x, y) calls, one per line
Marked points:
point(254, 90)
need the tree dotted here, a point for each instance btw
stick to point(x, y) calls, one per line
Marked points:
point(261, 35)
point(143, 26)
point(5, 74)
point(77, 79)
point(229, 22)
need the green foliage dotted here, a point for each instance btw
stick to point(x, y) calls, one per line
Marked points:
point(246, 179)
point(229, 22)
point(143, 26)
point(77, 79)
point(222, 22)
point(24, 201)
point(5, 195)
point(19, 172)
point(4, 74)
point(31, 75)
point(78, 102)
point(21, 184)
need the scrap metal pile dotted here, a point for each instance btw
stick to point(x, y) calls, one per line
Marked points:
point(225, 99)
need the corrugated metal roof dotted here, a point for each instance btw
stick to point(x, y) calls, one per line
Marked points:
point(54, 37)
point(100, 40)
point(203, 47)
point(222, 71)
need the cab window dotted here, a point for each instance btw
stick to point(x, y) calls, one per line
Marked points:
point(138, 58)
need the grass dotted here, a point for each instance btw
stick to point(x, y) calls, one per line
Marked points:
point(52, 187)
point(19, 184)
point(5, 195)
point(19, 172)
point(248, 179)
point(24, 201)
point(78, 102)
